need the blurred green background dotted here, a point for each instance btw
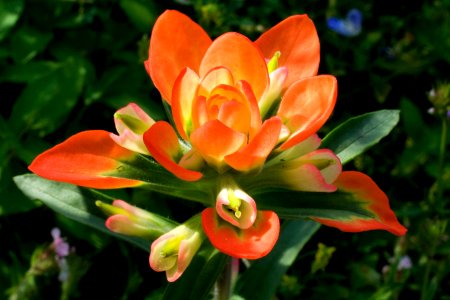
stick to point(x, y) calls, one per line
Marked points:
point(68, 65)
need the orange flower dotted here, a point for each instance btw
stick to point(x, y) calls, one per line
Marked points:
point(245, 115)
point(221, 93)
point(234, 102)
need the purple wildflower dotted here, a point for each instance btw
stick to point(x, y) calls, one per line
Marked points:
point(62, 250)
point(404, 263)
point(61, 247)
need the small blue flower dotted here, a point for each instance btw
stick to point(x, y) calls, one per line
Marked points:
point(350, 26)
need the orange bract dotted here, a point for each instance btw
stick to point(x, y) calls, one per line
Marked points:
point(177, 42)
point(252, 243)
point(363, 187)
point(296, 39)
point(89, 158)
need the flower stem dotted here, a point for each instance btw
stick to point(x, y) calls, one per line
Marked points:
point(441, 162)
point(225, 283)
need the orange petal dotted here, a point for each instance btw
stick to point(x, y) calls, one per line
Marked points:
point(296, 38)
point(235, 115)
point(89, 158)
point(255, 153)
point(176, 42)
point(214, 141)
point(199, 112)
point(365, 189)
point(255, 115)
point(306, 106)
point(162, 142)
point(183, 97)
point(232, 107)
point(239, 55)
point(214, 77)
point(252, 243)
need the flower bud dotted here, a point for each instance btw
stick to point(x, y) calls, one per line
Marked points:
point(173, 251)
point(131, 123)
point(133, 221)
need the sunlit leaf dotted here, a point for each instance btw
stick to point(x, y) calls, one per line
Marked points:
point(71, 201)
point(357, 134)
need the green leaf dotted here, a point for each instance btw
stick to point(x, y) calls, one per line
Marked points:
point(412, 120)
point(71, 201)
point(12, 201)
point(10, 11)
point(261, 280)
point(47, 101)
point(29, 71)
point(299, 205)
point(197, 281)
point(26, 43)
point(140, 12)
point(357, 134)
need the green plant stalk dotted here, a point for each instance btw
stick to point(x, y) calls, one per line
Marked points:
point(439, 201)
point(441, 162)
point(225, 283)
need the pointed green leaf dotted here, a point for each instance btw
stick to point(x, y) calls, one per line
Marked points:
point(71, 201)
point(357, 134)
point(197, 281)
point(261, 280)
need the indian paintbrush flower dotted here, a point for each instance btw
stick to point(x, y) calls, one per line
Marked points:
point(246, 116)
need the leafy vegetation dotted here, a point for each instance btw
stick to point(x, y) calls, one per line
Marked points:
point(67, 66)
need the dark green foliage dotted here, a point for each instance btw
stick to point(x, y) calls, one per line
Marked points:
point(67, 66)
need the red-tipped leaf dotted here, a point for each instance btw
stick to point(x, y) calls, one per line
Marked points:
point(89, 158)
point(365, 189)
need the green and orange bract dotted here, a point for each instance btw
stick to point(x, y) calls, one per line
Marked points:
point(246, 116)
point(89, 158)
point(373, 200)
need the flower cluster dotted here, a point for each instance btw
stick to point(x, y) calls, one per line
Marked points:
point(245, 117)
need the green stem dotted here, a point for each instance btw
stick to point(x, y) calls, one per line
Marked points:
point(225, 283)
point(424, 291)
point(439, 201)
point(441, 162)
